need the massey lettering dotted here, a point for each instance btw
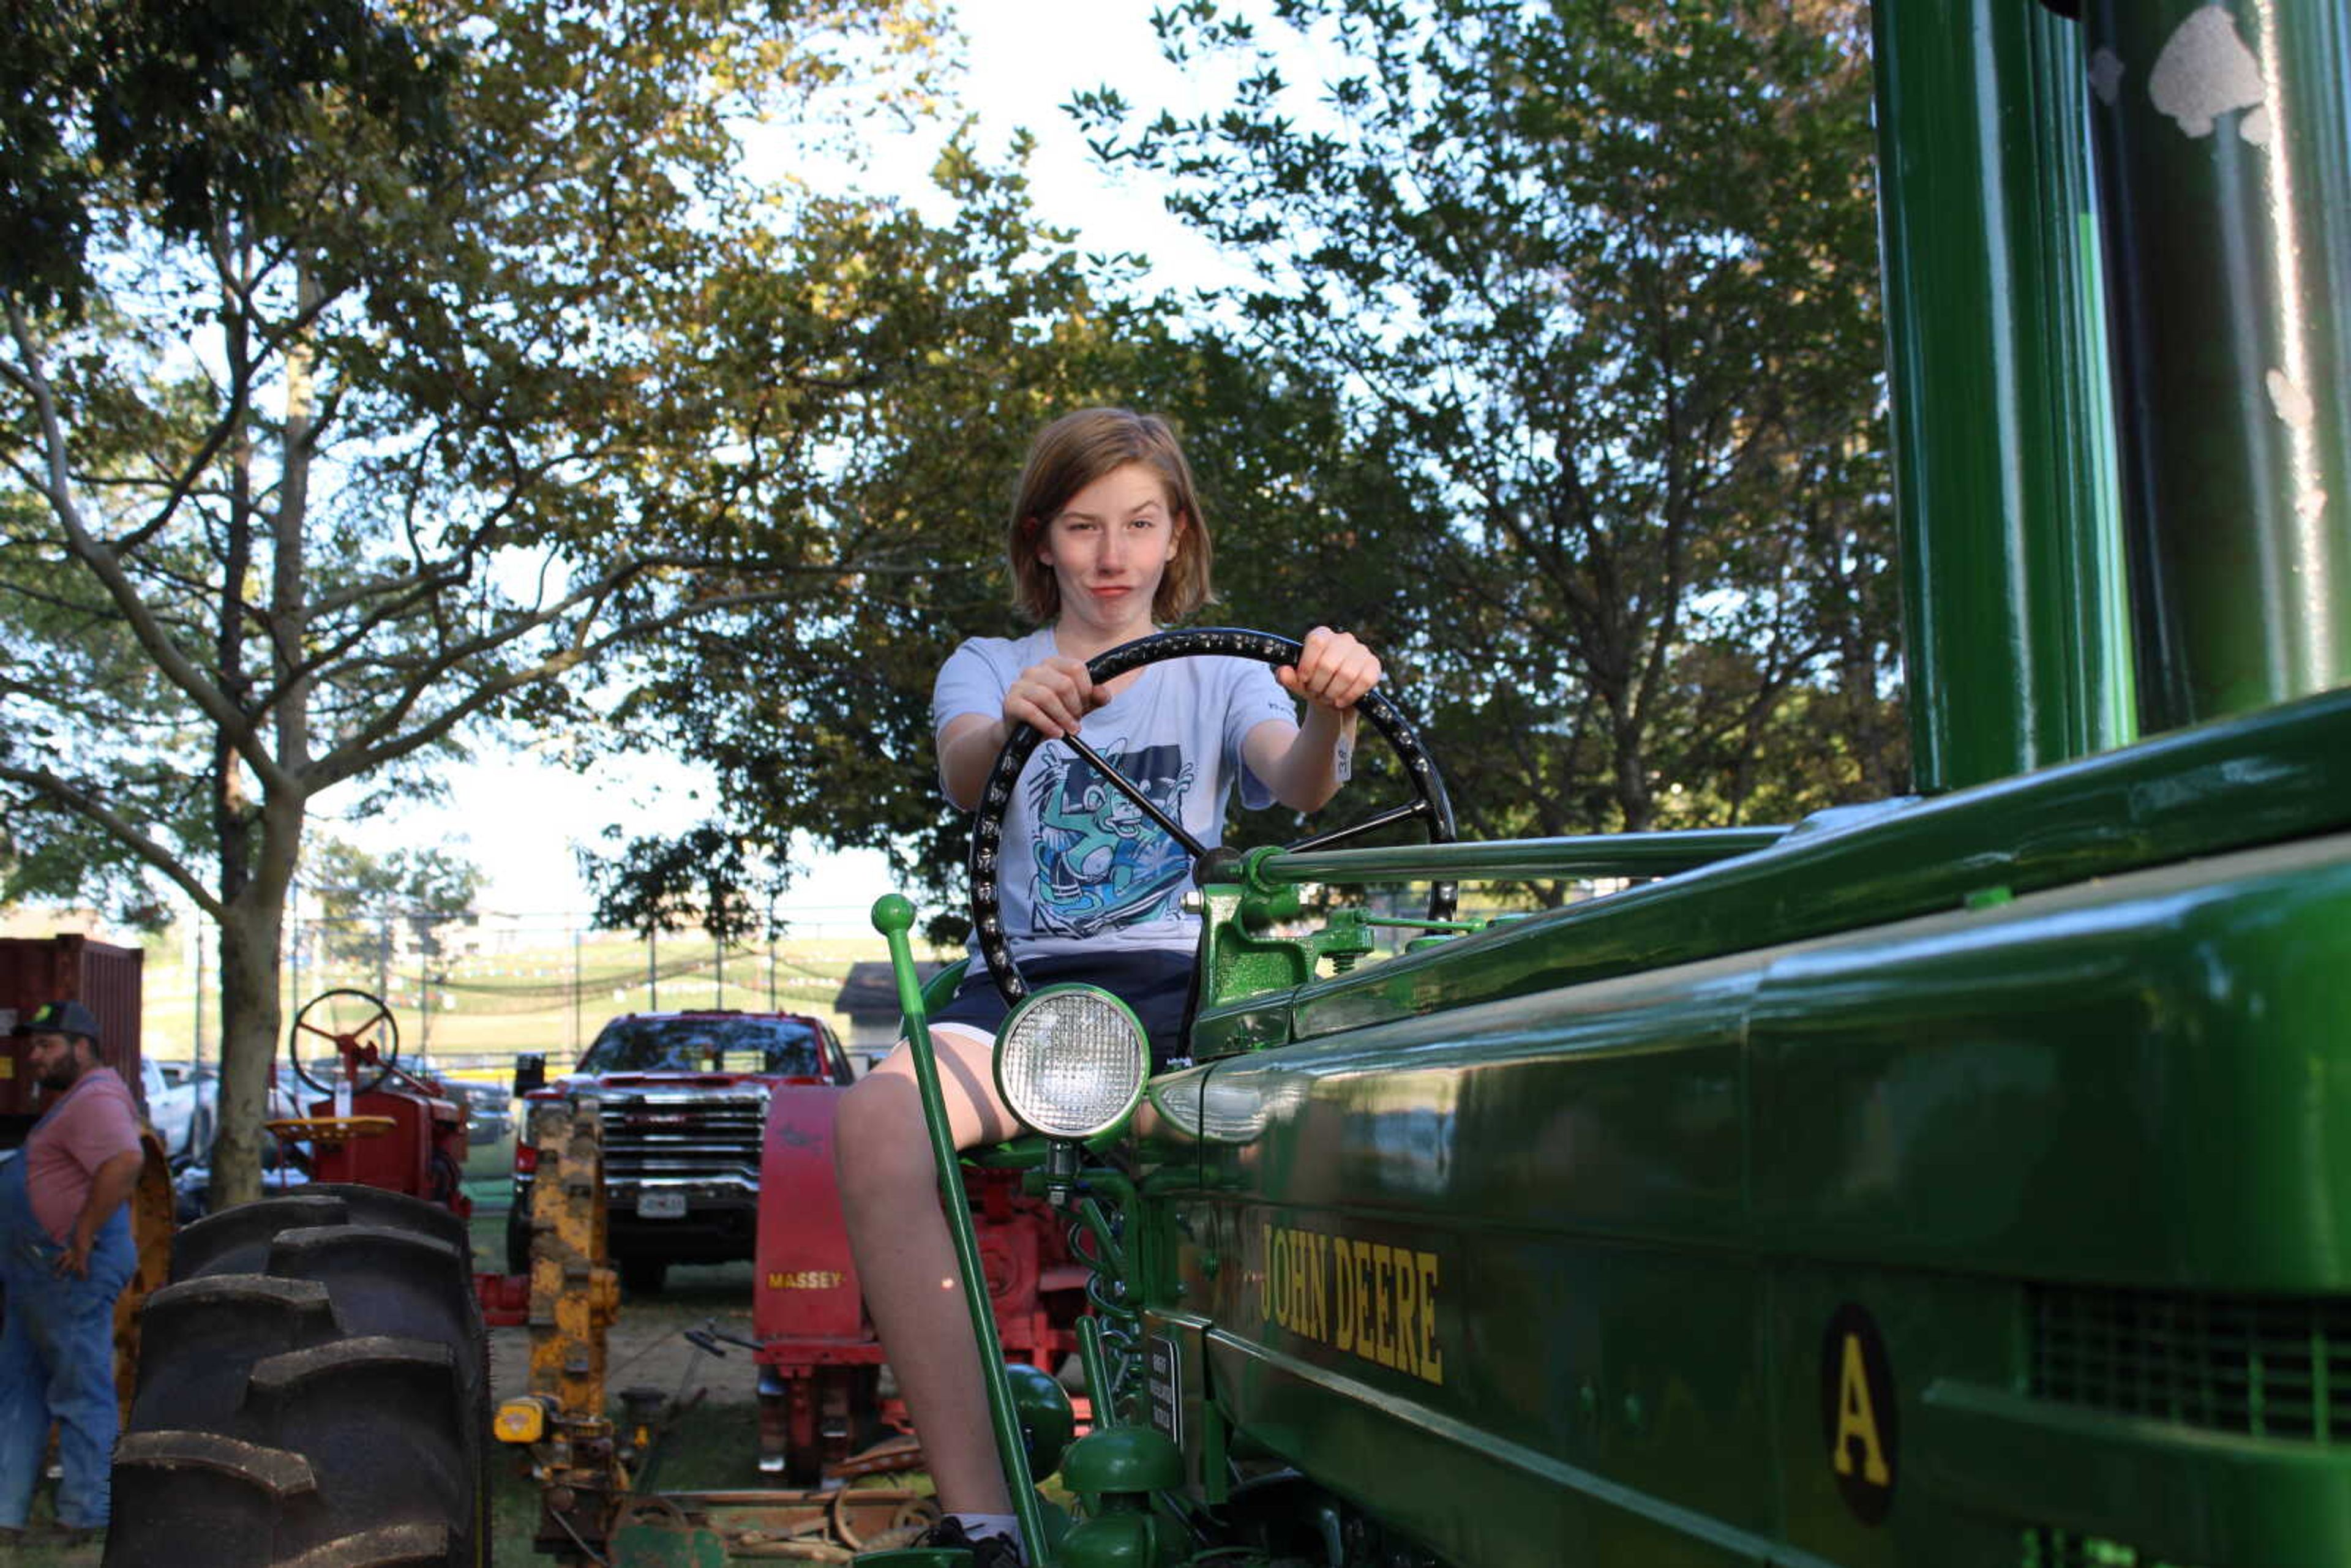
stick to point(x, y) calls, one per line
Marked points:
point(1365, 1298)
point(805, 1280)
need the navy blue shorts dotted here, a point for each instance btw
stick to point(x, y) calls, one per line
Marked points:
point(1156, 982)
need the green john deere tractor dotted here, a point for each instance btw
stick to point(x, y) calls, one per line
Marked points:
point(1960, 1182)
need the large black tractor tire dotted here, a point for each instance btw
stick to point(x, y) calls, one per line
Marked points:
point(313, 1391)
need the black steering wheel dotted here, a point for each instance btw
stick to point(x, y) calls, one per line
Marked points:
point(361, 1029)
point(1428, 805)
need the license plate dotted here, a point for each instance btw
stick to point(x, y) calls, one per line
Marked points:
point(660, 1205)
point(1164, 1379)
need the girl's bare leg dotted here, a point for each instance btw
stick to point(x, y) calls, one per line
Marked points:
point(905, 1261)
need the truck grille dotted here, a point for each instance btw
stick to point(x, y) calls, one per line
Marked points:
point(2270, 1366)
point(686, 1139)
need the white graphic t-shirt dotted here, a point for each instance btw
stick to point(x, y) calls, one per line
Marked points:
point(1081, 866)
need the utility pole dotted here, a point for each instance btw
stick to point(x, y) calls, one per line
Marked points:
point(197, 1051)
point(576, 936)
point(771, 972)
point(424, 946)
point(292, 947)
point(719, 973)
point(652, 970)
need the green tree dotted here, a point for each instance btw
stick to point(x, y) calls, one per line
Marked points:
point(821, 723)
point(812, 714)
point(707, 876)
point(365, 902)
point(1599, 276)
point(376, 379)
point(1561, 386)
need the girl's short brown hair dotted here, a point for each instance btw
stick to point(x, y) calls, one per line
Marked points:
point(1070, 453)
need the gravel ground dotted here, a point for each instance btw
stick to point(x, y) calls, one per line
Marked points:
point(647, 1346)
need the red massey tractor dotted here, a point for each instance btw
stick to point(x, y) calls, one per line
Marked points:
point(820, 1362)
point(824, 1413)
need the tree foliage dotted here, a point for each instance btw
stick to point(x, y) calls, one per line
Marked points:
point(1600, 277)
point(707, 876)
point(377, 376)
point(363, 900)
point(819, 724)
point(1559, 385)
point(199, 113)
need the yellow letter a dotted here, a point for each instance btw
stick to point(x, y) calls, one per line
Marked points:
point(1857, 1418)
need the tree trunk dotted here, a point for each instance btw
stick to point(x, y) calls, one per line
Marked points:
point(251, 1018)
point(1868, 721)
point(250, 1029)
point(1630, 776)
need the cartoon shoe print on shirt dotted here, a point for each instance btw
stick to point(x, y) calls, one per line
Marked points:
point(1100, 863)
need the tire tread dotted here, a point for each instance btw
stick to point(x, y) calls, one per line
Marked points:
point(313, 1394)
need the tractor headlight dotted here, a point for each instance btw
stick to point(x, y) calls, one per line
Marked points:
point(1071, 1059)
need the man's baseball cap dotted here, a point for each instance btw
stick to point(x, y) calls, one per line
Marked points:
point(61, 1017)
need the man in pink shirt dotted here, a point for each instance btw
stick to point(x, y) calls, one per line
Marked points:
point(65, 1255)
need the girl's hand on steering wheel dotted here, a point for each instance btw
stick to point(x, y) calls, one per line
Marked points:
point(1332, 671)
point(1053, 695)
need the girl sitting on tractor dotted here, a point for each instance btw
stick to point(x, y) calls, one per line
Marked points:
point(1106, 544)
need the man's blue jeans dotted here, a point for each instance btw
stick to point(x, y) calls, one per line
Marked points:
point(57, 1361)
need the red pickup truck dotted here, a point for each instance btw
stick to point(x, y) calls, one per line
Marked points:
point(684, 1100)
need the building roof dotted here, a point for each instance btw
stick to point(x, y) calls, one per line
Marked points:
point(870, 989)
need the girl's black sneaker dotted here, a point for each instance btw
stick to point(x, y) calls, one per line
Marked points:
point(989, 1551)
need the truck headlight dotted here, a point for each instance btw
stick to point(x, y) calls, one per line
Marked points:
point(1070, 1061)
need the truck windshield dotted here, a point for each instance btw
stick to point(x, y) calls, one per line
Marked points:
point(783, 1047)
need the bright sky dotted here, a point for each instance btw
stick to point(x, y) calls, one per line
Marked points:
point(519, 816)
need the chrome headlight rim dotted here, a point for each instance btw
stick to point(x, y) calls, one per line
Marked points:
point(1038, 1000)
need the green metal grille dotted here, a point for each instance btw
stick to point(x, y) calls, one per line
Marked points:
point(2062, 1549)
point(2267, 1366)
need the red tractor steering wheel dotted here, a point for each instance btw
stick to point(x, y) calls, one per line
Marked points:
point(361, 1028)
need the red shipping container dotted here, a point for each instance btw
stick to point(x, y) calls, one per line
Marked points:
point(102, 976)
